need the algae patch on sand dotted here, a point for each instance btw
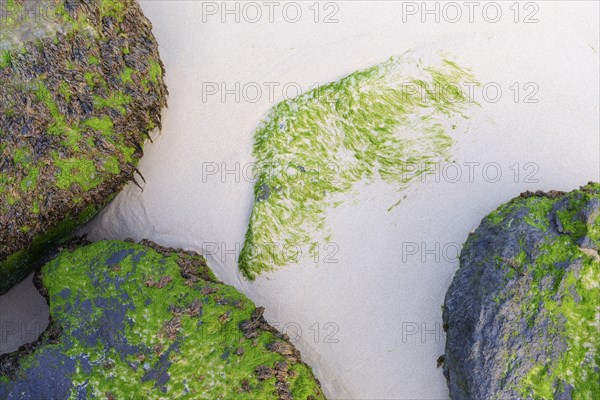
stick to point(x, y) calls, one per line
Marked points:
point(376, 124)
point(138, 321)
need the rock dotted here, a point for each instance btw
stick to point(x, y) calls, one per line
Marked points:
point(82, 87)
point(523, 311)
point(115, 333)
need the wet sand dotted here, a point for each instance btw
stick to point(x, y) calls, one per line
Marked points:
point(23, 316)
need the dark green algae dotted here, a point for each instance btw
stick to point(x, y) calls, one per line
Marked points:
point(81, 88)
point(138, 321)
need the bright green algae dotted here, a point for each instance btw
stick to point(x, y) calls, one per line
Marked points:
point(379, 123)
point(150, 323)
point(572, 304)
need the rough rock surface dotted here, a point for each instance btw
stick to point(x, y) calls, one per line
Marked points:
point(523, 311)
point(138, 321)
point(81, 88)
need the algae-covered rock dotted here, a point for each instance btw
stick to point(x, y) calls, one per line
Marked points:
point(137, 321)
point(523, 311)
point(81, 86)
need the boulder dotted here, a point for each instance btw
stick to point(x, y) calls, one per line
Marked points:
point(81, 88)
point(139, 321)
point(522, 314)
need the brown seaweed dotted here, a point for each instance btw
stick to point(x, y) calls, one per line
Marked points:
point(77, 101)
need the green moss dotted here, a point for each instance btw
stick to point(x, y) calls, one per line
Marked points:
point(113, 8)
point(206, 354)
point(116, 101)
point(90, 78)
point(21, 156)
point(538, 208)
point(5, 59)
point(495, 217)
point(18, 265)
point(103, 125)
point(538, 383)
point(59, 127)
point(127, 74)
point(127, 152)
point(575, 320)
point(575, 226)
point(12, 199)
point(111, 165)
point(79, 171)
point(30, 181)
point(373, 125)
point(155, 71)
point(65, 91)
point(4, 182)
point(153, 75)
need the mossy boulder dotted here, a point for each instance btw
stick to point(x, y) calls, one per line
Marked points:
point(138, 321)
point(523, 311)
point(81, 88)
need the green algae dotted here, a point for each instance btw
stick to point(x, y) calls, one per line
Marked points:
point(154, 72)
point(17, 266)
point(30, 181)
point(179, 337)
point(5, 59)
point(65, 91)
point(79, 171)
point(376, 124)
point(538, 208)
point(113, 8)
point(126, 75)
point(572, 303)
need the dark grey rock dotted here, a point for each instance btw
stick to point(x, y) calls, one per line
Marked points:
point(107, 341)
point(508, 335)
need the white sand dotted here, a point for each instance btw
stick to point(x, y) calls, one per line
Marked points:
point(23, 316)
point(373, 298)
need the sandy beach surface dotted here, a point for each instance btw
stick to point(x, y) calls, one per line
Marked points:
point(23, 316)
point(365, 313)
